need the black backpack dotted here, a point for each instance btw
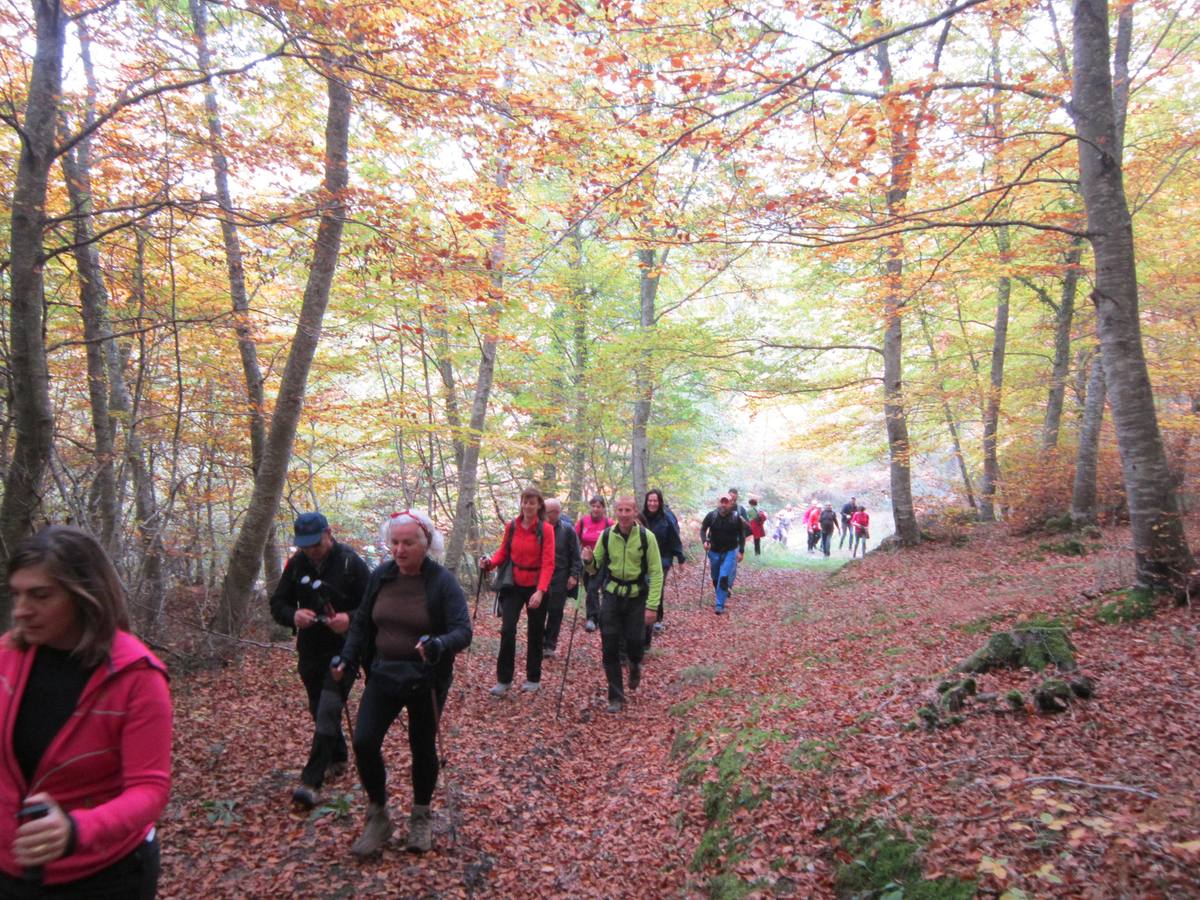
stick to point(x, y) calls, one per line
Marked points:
point(624, 587)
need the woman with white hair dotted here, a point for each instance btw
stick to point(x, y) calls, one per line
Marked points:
point(412, 621)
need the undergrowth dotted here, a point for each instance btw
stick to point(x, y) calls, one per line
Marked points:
point(879, 861)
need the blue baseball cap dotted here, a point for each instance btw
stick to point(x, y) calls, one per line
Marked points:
point(308, 529)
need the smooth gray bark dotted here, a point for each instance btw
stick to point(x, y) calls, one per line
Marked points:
point(30, 402)
point(1163, 558)
point(991, 413)
point(246, 556)
point(1060, 371)
point(1087, 456)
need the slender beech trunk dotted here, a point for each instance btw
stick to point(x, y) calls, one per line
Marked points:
point(1060, 372)
point(251, 371)
point(579, 366)
point(650, 272)
point(1087, 457)
point(903, 151)
point(1163, 558)
point(468, 472)
point(247, 553)
point(31, 410)
point(991, 415)
point(951, 422)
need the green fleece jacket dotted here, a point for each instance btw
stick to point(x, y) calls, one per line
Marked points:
point(624, 560)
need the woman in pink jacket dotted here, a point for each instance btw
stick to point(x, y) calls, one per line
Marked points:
point(85, 729)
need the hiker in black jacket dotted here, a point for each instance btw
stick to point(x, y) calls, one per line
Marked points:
point(723, 533)
point(319, 591)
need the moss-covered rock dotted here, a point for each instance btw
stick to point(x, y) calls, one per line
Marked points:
point(1016, 700)
point(1053, 695)
point(1029, 646)
point(1126, 606)
point(1083, 687)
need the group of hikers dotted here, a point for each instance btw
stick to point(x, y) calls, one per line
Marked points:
point(820, 521)
point(87, 723)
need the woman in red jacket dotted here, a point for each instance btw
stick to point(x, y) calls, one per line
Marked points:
point(85, 729)
point(529, 543)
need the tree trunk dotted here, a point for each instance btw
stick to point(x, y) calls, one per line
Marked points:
point(948, 413)
point(247, 553)
point(644, 385)
point(1064, 315)
point(251, 371)
point(1163, 558)
point(1087, 455)
point(32, 414)
point(991, 415)
point(468, 472)
point(903, 149)
point(579, 366)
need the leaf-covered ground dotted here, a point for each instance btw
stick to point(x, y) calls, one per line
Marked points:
point(758, 747)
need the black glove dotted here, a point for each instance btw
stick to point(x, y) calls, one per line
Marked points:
point(433, 650)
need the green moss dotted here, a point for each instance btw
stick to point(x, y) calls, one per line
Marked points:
point(1041, 645)
point(1015, 699)
point(1126, 606)
point(886, 863)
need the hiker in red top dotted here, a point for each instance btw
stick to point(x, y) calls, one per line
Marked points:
point(861, 523)
point(812, 524)
point(85, 714)
point(589, 528)
point(529, 544)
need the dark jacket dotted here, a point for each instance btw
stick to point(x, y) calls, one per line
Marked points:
point(723, 533)
point(343, 578)
point(828, 520)
point(567, 558)
point(450, 622)
point(665, 528)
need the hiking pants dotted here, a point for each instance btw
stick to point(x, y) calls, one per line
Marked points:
point(555, 609)
point(723, 567)
point(622, 621)
point(379, 708)
point(826, 539)
point(325, 700)
point(512, 601)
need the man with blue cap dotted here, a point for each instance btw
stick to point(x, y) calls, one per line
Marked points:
point(321, 587)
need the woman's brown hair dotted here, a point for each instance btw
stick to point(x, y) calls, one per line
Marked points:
point(534, 492)
point(76, 560)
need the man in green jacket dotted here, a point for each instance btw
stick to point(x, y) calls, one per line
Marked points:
point(631, 590)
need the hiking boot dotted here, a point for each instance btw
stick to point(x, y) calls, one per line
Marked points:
point(336, 769)
point(549, 653)
point(305, 797)
point(376, 832)
point(420, 830)
point(635, 676)
point(719, 611)
point(614, 706)
point(590, 626)
point(499, 690)
point(658, 627)
point(531, 687)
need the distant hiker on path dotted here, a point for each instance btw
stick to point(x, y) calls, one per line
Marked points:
point(657, 516)
point(724, 537)
point(861, 522)
point(627, 562)
point(757, 518)
point(812, 524)
point(783, 523)
point(528, 549)
point(588, 529)
point(412, 622)
point(828, 521)
point(848, 510)
point(568, 569)
point(318, 593)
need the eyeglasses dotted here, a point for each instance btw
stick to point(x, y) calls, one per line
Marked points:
point(724, 502)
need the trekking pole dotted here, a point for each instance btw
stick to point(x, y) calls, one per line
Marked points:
point(567, 663)
point(704, 565)
point(478, 592)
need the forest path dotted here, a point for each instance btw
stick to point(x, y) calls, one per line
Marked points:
point(751, 734)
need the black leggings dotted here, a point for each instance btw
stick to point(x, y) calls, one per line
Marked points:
point(512, 601)
point(132, 877)
point(376, 713)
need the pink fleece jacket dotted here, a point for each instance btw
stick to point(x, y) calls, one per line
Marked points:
point(109, 766)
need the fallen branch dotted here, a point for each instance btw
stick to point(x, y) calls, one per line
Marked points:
point(1075, 782)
